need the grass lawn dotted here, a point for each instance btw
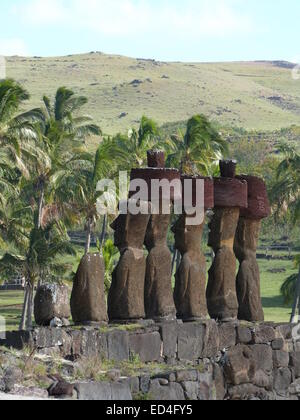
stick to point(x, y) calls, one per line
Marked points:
point(11, 308)
point(275, 310)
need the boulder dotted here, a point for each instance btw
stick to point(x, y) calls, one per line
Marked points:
point(51, 301)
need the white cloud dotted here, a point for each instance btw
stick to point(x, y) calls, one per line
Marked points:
point(13, 46)
point(138, 17)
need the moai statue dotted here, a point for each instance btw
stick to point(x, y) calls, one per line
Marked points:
point(245, 247)
point(190, 286)
point(231, 195)
point(88, 303)
point(159, 301)
point(126, 295)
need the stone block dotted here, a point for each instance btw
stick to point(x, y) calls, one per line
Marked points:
point(191, 390)
point(172, 392)
point(147, 346)
point(219, 382)
point(295, 363)
point(187, 376)
point(227, 334)
point(118, 346)
point(282, 381)
point(211, 344)
point(51, 301)
point(263, 357)
point(278, 344)
point(244, 335)
point(190, 341)
point(101, 391)
point(264, 334)
point(238, 366)
point(280, 359)
point(169, 334)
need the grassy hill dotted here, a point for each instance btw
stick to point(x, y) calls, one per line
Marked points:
point(254, 95)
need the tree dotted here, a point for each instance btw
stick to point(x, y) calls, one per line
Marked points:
point(286, 198)
point(197, 151)
point(136, 144)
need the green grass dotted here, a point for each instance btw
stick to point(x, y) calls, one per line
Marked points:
point(232, 94)
point(275, 310)
point(11, 308)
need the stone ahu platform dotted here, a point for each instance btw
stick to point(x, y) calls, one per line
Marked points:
point(204, 360)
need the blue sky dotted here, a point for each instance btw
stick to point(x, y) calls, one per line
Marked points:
point(173, 30)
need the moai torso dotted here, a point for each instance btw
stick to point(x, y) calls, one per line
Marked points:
point(245, 247)
point(230, 196)
point(126, 296)
point(159, 300)
point(189, 295)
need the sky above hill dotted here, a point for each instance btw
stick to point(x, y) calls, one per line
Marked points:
point(170, 30)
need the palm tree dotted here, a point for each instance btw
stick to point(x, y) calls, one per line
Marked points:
point(196, 151)
point(79, 186)
point(137, 142)
point(286, 199)
point(39, 258)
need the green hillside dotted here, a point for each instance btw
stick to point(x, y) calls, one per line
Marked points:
point(256, 95)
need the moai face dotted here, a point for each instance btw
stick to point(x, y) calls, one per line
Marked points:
point(187, 238)
point(223, 227)
point(130, 230)
point(157, 231)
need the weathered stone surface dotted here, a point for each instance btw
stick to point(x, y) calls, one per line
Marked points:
point(262, 380)
point(145, 384)
point(169, 334)
point(244, 335)
point(189, 183)
point(249, 392)
point(88, 304)
point(46, 338)
point(219, 382)
point(11, 377)
point(118, 346)
point(101, 391)
point(157, 174)
point(187, 376)
point(61, 389)
point(126, 295)
point(227, 334)
point(191, 390)
point(239, 366)
point(230, 193)
point(159, 302)
point(280, 359)
point(190, 341)
point(211, 343)
point(294, 389)
point(295, 363)
point(190, 286)
point(263, 357)
point(278, 344)
point(221, 290)
point(146, 346)
point(156, 158)
point(264, 334)
point(284, 331)
point(51, 301)
point(258, 201)
point(282, 380)
point(172, 392)
point(248, 278)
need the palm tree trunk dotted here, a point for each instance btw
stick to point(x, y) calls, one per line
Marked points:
point(88, 237)
point(26, 318)
point(41, 206)
point(103, 233)
point(296, 306)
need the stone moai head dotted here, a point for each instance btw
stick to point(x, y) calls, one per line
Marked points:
point(228, 168)
point(130, 230)
point(157, 230)
point(187, 238)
